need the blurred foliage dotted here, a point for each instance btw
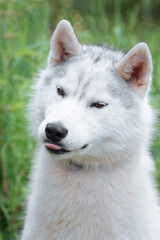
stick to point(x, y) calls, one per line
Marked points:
point(24, 42)
point(25, 30)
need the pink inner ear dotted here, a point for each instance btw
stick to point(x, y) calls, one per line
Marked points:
point(132, 68)
point(136, 68)
point(63, 49)
point(60, 50)
point(137, 73)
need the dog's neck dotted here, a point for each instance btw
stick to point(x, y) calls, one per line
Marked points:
point(76, 166)
point(82, 166)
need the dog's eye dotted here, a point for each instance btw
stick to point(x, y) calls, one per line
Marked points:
point(99, 104)
point(60, 91)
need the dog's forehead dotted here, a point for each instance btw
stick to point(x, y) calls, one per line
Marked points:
point(85, 76)
point(95, 59)
point(100, 81)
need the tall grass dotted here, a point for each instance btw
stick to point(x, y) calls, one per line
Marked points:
point(25, 30)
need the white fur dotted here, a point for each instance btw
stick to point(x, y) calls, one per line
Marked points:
point(113, 197)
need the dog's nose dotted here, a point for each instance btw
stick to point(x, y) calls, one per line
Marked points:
point(55, 132)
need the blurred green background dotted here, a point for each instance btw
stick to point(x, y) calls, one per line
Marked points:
point(25, 31)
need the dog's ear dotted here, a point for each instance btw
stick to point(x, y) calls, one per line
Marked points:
point(64, 44)
point(136, 68)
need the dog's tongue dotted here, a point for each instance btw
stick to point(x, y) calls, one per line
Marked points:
point(53, 146)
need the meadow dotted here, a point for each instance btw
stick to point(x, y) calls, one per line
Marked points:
point(25, 31)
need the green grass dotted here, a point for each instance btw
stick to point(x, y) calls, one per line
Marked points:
point(25, 30)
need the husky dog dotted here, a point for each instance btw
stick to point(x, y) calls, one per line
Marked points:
point(92, 177)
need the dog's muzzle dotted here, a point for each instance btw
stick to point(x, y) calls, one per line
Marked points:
point(55, 132)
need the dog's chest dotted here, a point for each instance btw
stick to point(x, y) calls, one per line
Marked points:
point(87, 203)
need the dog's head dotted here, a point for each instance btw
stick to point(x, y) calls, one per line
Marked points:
point(90, 101)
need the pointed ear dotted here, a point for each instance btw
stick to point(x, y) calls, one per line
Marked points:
point(136, 68)
point(64, 44)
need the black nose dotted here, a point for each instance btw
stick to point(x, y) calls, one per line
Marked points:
point(55, 132)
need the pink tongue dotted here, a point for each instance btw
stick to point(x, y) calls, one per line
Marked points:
point(53, 146)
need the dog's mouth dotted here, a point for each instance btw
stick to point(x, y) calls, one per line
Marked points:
point(55, 148)
point(58, 148)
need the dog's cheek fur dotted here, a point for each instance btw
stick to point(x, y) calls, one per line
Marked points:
point(124, 129)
